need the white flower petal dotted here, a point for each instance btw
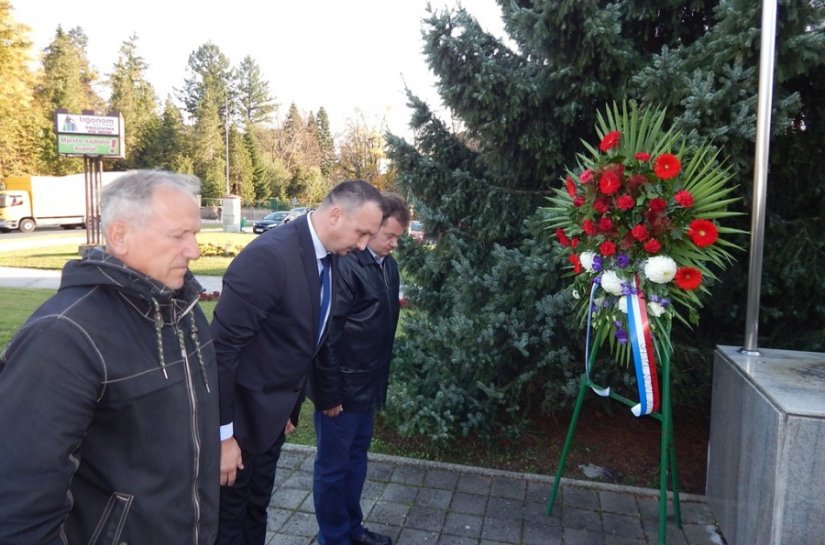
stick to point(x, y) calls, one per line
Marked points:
point(660, 269)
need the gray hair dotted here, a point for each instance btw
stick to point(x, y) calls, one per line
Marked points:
point(129, 197)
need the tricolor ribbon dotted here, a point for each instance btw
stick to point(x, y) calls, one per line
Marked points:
point(644, 357)
point(641, 343)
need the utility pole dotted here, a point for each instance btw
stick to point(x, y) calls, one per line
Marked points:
point(226, 131)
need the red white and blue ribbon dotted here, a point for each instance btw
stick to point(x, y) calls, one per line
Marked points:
point(644, 357)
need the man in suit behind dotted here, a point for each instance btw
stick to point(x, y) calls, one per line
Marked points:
point(268, 326)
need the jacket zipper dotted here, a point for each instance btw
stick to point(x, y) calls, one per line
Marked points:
point(193, 411)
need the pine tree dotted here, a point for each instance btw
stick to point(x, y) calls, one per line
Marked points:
point(208, 149)
point(134, 97)
point(18, 113)
point(326, 143)
point(166, 143)
point(492, 334)
point(254, 101)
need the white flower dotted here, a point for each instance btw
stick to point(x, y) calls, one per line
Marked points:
point(623, 304)
point(587, 260)
point(655, 308)
point(576, 294)
point(660, 269)
point(611, 283)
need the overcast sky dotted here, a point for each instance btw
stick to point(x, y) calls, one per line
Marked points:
point(344, 55)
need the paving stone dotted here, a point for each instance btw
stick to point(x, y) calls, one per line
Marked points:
point(425, 518)
point(538, 491)
point(619, 540)
point(506, 529)
point(379, 471)
point(408, 475)
point(579, 497)
point(581, 519)
point(472, 504)
point(399, 493)
point(573, 536)
point(613, 502)
point(441, 478)
point(413, 536)
point(300, 524)
point(434, 498)
point(544, 531)
point(389, 513)
point(475, 484)
point(623, 525)
point(505, 508)
point(702, 534)
point(281, 539)
point(697, 513)
point(509, 488)
point(459, 524)
point(289, 498)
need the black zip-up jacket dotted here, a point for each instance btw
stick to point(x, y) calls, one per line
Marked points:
point(109, 414)
point(353, 369)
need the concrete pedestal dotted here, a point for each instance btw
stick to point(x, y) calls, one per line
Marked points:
point(766, 458)
point(231, 214)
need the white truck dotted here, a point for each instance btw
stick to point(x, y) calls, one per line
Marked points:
point(28, 202)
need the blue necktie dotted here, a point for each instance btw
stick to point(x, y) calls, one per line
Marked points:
point(326, 288)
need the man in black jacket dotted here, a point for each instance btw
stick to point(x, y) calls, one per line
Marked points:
point(269, 324)
point(350, 378)
point(109, 391)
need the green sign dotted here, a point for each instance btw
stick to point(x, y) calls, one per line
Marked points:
point(88, 145)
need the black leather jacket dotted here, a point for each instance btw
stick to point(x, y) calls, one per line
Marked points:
point(353, 369)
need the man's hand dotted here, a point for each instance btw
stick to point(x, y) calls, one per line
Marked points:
point(231, 461)
point(290, 427)
point(335, 411)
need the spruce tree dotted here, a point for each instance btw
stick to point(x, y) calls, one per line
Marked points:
point(492, 334)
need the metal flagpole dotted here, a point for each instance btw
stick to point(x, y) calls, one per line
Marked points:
point(760, 174)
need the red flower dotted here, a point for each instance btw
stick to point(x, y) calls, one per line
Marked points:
point(601, 205)
point(574, 242)
point(577, 263)
point(667, 166)
point(636, 181)
point(642, 156)
point(588, 227)
point(578, 201)
point(639, 232)
point(571, 186)
point(605, 224)
point(658, 205)
point(562, 238)
point(652, 246)
point(609, 182)
point(702, 232)
point(607, 248)
point(625, 202)
point(683, 198)
point(688, 278)
point(610, 140)
point(586, 176)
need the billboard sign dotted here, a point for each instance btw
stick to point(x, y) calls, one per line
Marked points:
point(87, 134)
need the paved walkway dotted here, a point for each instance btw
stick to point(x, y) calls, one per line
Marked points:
point(427, 503)
point(418, 502)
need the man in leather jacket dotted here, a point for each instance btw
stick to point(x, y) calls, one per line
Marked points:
point(109, 391)
point(350, 378)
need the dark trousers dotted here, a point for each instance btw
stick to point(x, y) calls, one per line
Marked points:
point(340, 470)
point(243, 505)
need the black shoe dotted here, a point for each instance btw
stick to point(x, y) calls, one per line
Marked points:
point(371, 538)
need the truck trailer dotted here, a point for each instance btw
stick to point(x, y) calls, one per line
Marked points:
point(28, 202)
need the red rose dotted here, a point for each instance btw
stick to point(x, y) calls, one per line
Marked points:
point(642, 156)
point(578, 201)
point(607, 248)
point(601, 205)
point(688, 278)
point(639, 232)
point(562, 238)
point(609, 182)
point(657, 205)
point(610, 140)
point(588, 227)
point(652, 246)
point(605, 224)
point(683, 198)
point(625, 202)
point(577, 263)
point(702, 232)
point(667, 166)
point(586, 176)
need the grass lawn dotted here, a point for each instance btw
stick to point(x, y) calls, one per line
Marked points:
point(56, 255)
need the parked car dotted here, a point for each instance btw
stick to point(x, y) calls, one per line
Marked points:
point(270, 221)
point(417, 230)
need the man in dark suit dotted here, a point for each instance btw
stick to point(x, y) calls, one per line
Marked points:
point(268, 326)
point(350, 378)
